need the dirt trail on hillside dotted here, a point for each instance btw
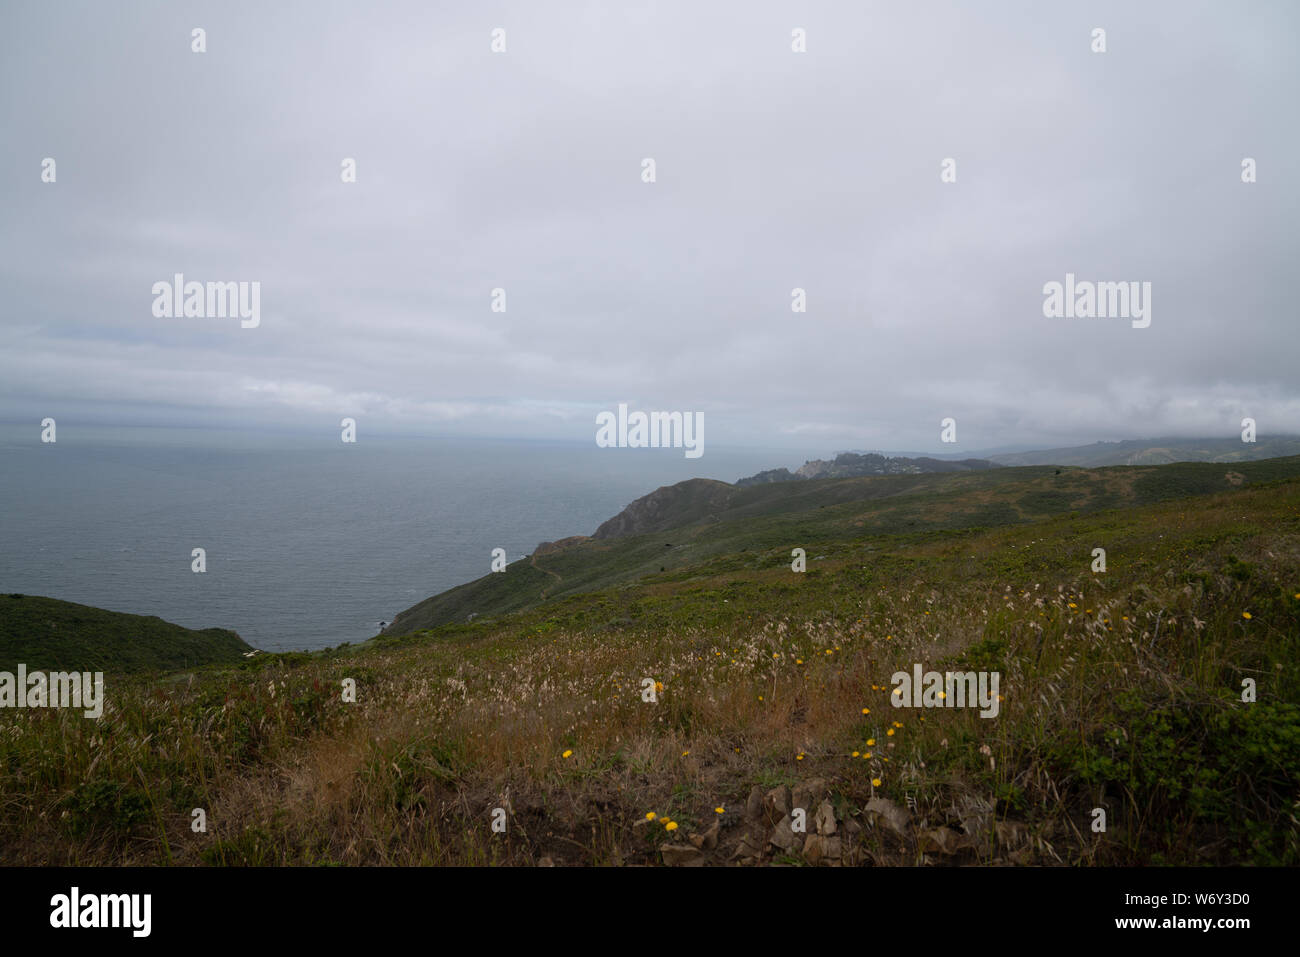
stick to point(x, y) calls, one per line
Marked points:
point(532, 560)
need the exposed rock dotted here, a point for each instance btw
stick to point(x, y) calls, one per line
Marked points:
point(546, 862)
point(853, 464)
point(708, 840)
point(832, 851)
point(681, 855)
point(807, 794)
point(754, 806)
point(783, 837)
point(886, 812)
point(750, 848)
point(766, 476)
point(941, 840)
point(813, 468)
point(825, 818)
point(777, 804)
point(814, 849)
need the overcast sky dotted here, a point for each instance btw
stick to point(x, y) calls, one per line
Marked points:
point(774, 170)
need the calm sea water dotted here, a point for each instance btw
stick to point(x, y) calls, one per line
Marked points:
point(310, 542)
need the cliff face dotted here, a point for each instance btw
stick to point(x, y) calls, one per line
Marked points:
point(670, 506)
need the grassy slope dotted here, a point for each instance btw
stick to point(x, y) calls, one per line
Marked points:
point(1122, 691)
point(773, 519)
point(47, 634)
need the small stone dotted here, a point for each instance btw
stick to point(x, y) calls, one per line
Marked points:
point(814, 848)
point(885, 811)
point(777, 803)
point(680, 855)
point(749, 848)
point(754, 806)
point(708, 840)
point(825, 819)
point(807, 794)
point(783, 836)
point(940, 840)
point(546, 862)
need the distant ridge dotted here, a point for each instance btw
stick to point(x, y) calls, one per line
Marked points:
point(1160, 451)
point(1157, 451)
point(854, 465)
point(679, 530)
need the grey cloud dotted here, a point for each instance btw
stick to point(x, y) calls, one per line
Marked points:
point(775, 170)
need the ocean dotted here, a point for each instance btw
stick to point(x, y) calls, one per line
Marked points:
point(310, 542)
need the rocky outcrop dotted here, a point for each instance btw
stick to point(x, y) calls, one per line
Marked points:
point(855, 465)
point(767, 477)
point(813, 825)
point(800, 823)
point(670, 506)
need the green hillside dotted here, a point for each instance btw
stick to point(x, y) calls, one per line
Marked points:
point(51, 635)
point(710, 526)
point(1120, 690)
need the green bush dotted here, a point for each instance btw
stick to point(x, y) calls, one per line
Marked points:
point(96, 805)
point(1222, 763)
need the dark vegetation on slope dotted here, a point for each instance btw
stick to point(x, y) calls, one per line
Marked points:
point(47, 634)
